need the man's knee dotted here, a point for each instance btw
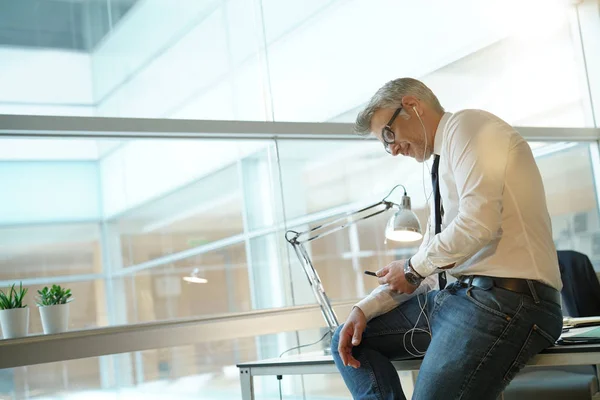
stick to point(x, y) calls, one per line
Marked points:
point(335, 339)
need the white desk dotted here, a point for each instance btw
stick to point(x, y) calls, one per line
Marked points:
point(307, 365)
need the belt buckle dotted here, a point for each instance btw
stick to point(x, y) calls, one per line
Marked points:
point(485, 282)
point(466, 280)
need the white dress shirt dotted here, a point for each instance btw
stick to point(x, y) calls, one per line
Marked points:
point(495, 221)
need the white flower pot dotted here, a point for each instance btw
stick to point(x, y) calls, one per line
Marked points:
point(14, 322)
point(55, 319)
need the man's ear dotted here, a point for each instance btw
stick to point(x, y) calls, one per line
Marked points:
point(412, 105)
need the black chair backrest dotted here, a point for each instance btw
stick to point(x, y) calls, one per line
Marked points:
point(581, 289)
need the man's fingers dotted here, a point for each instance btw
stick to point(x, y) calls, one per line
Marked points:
point(357, 334)
point(345, 346)
point(343, 354)
point(382, 275)
point(348, 337)
point(353, 362)
point(347, 358)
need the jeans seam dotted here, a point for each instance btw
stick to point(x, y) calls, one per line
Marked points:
point(542, 309)
point(546, 335)
point(373, 379)
point(524, 348)
point(484, 307)
point(465, 386)
point(390, 332)
point(437, 305)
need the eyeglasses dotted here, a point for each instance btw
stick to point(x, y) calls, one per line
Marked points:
point(387, 134)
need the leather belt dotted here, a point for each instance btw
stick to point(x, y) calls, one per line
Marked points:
point(532, 288)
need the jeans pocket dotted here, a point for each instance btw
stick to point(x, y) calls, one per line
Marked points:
point(536, 341)
point(486, 300)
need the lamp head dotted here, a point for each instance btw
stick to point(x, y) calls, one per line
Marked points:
point(404, 226)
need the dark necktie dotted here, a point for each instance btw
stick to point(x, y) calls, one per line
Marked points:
point(437, 202)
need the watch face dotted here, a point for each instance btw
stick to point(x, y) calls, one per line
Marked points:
point(410, 276)
point(412, 279)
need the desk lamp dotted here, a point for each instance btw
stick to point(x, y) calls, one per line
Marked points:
point(403, 226)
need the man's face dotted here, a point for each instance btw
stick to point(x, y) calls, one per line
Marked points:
point(408, 131)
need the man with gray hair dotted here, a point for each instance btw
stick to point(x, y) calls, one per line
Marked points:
point(490, 229)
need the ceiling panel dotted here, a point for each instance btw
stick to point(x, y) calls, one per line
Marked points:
point(63, 24)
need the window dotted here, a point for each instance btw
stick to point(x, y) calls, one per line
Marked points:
point(247, 60)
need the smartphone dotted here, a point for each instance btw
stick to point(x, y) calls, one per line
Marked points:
point(370, 273)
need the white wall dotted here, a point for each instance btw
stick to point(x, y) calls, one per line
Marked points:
point(145, 32)
point(38, 149)
point(163, 60)
point(144, 170)
point(51, 82)
point(41, 192)
point(323, 58)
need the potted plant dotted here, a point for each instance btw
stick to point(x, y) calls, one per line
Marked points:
point(54, 308)
point(14, 316)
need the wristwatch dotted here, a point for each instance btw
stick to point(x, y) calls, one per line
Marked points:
point(411, 275)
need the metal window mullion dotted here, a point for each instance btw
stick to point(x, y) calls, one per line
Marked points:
point(107, 363)
point(595, 161)
point(59, 279)
point(587, 35)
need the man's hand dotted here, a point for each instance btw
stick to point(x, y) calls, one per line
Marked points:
point(393, 275)
point(351, 335)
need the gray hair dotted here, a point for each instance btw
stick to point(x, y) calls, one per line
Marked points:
point(390, 96)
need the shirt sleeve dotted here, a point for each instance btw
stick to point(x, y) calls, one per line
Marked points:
point(382, 299)
point(478, 155)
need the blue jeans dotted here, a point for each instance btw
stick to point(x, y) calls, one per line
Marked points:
point(479, 340)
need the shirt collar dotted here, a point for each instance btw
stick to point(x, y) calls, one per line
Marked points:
point(438, 141)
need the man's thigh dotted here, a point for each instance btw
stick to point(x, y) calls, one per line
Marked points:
point(403, 332)
point(480, 340)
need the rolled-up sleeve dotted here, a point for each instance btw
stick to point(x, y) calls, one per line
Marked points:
point(383, 299)
point(477, 157)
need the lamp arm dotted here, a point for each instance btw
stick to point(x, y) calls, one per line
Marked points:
point(309, 235)
point(297, 240)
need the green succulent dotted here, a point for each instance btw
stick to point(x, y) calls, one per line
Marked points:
point(14, 298)
point(53, 296)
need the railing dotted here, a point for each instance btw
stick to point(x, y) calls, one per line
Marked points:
point(40, 349)
point(98, 127)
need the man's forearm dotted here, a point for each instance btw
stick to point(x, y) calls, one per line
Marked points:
point(383, 300)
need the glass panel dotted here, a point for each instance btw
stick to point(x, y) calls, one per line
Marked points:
point(505, 68)
point(320, 175)
point(572, 203)
point(162, 293)
point(49, 250)
point(262, 190)
point(204, 211)
point(162, 197)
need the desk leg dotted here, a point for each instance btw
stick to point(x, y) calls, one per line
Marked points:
point(247, 382)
